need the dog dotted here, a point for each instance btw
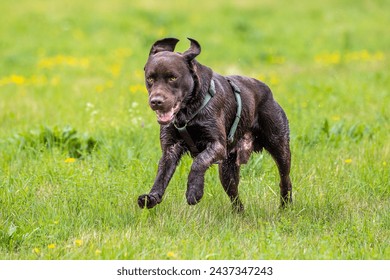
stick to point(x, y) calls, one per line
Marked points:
point(216, 119)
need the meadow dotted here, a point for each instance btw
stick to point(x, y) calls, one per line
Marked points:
point(78, 142)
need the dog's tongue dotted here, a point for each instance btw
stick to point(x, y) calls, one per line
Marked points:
point(165, 117)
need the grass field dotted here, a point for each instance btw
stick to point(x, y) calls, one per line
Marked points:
point(78, 142)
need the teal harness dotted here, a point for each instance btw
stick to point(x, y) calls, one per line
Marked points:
point(209, 95)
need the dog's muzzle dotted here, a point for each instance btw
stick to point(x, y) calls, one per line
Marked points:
point(164, 110)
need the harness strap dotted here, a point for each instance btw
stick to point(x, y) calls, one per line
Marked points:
point(187, 138)
point(237, 93)
point(211, 92)
point(183, 130)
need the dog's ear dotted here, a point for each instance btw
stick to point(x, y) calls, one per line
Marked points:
point(193, 51)
point(167, 44)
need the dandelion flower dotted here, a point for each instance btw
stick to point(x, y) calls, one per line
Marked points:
point(51, 246)
point(99, 88)
point(70, 160)
point(274, 80)
point(62, 60)
point(36, 251)
point(336, 118)
point(348, 161)
point(115, 70)
point(171, 254)
point(137, 88)
point(79, 242)
point(328, 58)
point(18, 80)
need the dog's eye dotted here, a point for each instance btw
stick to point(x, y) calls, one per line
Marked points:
point(172, 79)
point(150, 80)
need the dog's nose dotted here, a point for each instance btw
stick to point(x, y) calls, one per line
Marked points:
point(156, 102)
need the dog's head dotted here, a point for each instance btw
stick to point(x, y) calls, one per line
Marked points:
point(169, 78)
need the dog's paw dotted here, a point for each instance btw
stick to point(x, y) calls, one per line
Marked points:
point(285, 201)
point(237, 206)
point(194, 196)
point(148, 201)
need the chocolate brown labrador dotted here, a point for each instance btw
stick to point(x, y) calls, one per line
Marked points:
point(216, 119)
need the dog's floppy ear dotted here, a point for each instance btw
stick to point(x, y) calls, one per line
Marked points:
point(193, 51)
point(167, 44)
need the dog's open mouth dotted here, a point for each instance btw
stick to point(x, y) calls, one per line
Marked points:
point(167, 117)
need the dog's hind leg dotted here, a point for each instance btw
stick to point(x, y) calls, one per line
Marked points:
point(282, 156)
point(229, 174)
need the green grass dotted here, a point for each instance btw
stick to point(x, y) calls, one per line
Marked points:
point(78, 142)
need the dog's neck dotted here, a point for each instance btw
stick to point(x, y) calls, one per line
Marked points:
point(191, 103)
point(209, 94)
point(185, 135)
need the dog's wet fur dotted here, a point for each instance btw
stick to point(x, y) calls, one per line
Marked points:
point(177, 85)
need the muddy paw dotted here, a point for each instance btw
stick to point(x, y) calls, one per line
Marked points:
point(148, 201)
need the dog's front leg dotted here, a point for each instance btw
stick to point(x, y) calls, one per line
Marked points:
point(213, 153)
point(167, 165)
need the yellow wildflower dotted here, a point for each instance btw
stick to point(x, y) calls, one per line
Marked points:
point(137, 88)
point(171, 254)
point(162, 32)
point(261, 77)
point(70, 160)
point(122, 53)
point(115, 70)
point(51, 246)
point(364, 55)
point(36, 251)
point(273, 80)
point(102, 87)
point(50, 62)
point(348, 161)
point(79, 242)
point(99, 88)
point(98, 252)
point(328, 58)
point(352, 56)
point(335, 118)
point(18, 80)
point(13, 79)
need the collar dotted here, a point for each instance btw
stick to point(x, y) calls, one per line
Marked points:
point(207, 98)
